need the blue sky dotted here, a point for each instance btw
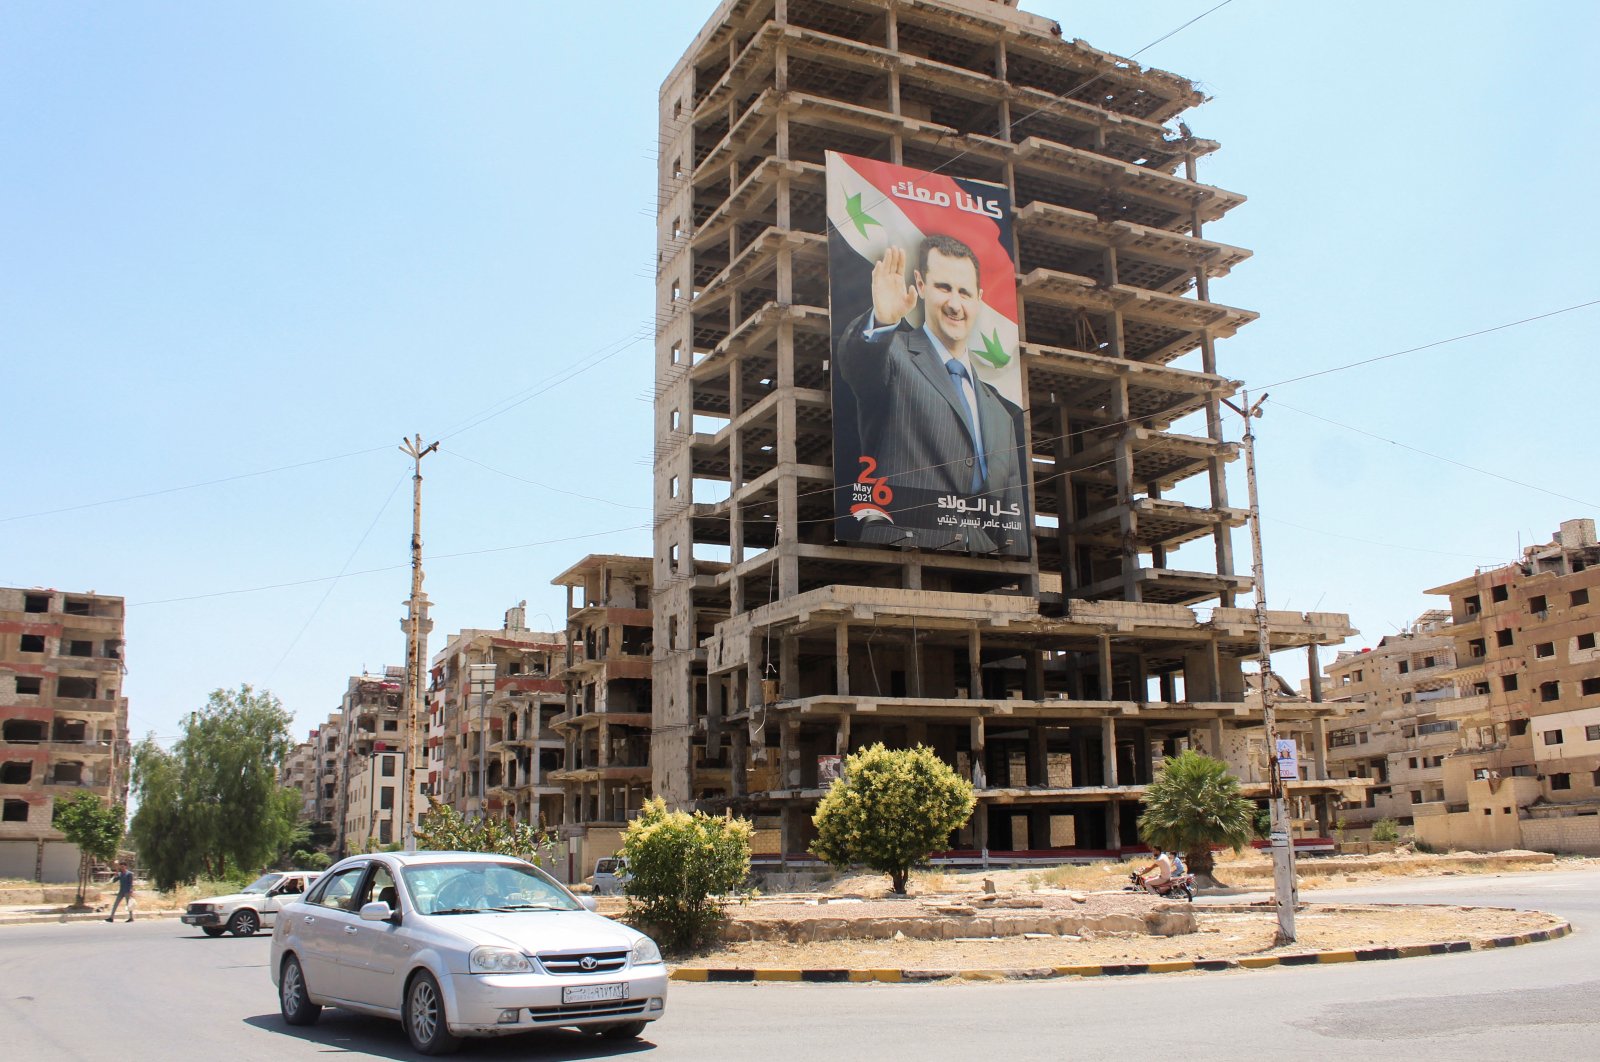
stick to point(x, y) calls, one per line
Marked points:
point(237, 237)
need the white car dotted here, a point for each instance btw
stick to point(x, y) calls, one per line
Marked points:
point(244, 912)
point(457, 944)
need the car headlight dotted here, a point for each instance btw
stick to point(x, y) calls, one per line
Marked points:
point(208, 908)
point(498, 960)
point(645, 952)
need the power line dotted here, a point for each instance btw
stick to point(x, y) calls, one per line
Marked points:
point(1430, 346)
point(345, 567)
point(191, 486)
point(1437, 457)
point(388, 567)
point(542, 486)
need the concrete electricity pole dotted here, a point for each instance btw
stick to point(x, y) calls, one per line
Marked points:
point(1284, 892)
point(416, 626)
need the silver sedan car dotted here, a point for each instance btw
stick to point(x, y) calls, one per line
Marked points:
point(458, 944)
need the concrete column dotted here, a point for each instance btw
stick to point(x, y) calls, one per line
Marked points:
point(789, 666)
point(738, 757)
point(841, 737)
point(788, 753)
point(1114, 825)
point(1108, 749)
point(1314, 674)
point(979, 771)
point(975, 664)
point(1169, 687)
point(1216, 738)
point(841, 659)
point(1033, 678)
point(714, 712)
point(980, 826)
point(1106, 675)
point(1038, 759)
point(1319, 747)
point(914, 665)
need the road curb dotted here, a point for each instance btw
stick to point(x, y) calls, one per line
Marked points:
point(57, 917)
point(712, 975)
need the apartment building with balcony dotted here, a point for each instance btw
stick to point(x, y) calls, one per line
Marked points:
point(370, 747)
point(63, 720)
point(299, 772)
point(606, 672)
point(1526, 768)
point(1404, 710)
point(492, 698)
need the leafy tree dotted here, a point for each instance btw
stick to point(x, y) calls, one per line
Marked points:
point(214, 801)
point(94, 827)
point(678, 867)
point(1194, 803)
point(444, 829)
point(890, 810)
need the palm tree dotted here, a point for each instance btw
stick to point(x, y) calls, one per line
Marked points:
point(1194, 803)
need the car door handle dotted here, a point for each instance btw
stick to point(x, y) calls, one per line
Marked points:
point(351, 929)
point(309, 919)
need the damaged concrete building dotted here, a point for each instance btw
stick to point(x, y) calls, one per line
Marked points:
point(1055, 676)
point(63, 720)
point(370, 743)
point(606, 722)
point(492, 697)
point(1525, 768)
point(1400, 728)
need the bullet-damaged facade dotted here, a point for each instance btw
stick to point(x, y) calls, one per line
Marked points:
point(63, 720)
point(1057, 678)
point(492, 697)
point(1402, 724)
point(607, 670)
point(1526, 770)
point(371, 744)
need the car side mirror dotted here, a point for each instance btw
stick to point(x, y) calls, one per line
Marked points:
point(376, 911)
point(589, 903)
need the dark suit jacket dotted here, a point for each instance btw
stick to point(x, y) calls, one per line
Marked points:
point(912, 421)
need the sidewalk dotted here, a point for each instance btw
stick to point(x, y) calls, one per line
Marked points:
point(30, 914)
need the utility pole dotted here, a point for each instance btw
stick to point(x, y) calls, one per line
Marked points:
point(1284, 891)
point(416, 626)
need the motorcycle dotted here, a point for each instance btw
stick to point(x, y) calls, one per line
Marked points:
point(1177, 884)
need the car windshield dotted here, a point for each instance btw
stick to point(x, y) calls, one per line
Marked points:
point(263, 884)
point(468, 888)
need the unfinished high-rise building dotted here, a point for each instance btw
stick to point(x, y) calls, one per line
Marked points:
point(1054, 672)
point(63, 721)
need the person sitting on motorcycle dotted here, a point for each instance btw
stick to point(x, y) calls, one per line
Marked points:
point(1158, 875)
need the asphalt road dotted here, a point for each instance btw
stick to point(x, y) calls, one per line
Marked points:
point(155, 990)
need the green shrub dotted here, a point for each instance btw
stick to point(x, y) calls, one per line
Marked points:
point(890, 810)
point(1386, 830)
point(681, 868)
point(444, 829)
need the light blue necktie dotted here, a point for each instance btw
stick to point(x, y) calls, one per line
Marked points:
point(958, 375)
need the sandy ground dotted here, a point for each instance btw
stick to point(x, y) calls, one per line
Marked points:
point(1222, 934)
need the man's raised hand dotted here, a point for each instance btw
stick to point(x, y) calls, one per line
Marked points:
point(892, 297)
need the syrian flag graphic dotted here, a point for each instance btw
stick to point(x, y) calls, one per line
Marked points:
point(927, 382)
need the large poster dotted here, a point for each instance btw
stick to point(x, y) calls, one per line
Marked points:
point(928, 429)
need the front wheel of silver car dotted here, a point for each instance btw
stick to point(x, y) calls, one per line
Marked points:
point(424, 1017)
point(627, 1030)
point(296, 1006)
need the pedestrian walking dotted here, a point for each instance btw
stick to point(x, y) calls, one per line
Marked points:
point(124, 879)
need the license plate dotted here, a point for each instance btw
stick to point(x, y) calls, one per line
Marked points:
point(592, 993)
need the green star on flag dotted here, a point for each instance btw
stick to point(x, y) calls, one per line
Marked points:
point(992, 351)
point(852, 207)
